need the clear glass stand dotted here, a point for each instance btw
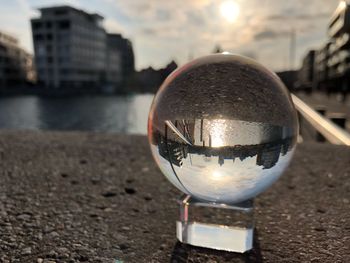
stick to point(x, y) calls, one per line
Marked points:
point(226, 227)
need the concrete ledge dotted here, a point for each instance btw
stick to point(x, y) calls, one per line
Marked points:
point(83, 197)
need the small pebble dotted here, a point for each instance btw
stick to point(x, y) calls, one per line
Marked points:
point(129, 190)
point(148, 197)
point(64, 175)
point(53, 234)
point(26, 251)
point(145, 169)
point(123, 246)
point(109, 194)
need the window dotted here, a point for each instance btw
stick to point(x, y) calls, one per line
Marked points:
point(38, 37)
point(64, 24)
point(41, 72)
point(37, 25)
point(63, 60)
point(49, 48)
point(3, 48)
point(64, 71)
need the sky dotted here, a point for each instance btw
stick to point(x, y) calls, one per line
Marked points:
point(165, 30)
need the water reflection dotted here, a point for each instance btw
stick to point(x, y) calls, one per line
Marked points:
point(19, 113)
point(222, 160)
point(108, 114)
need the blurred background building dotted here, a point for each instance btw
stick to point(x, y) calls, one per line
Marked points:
point(149, 80)
point(114, 74)
point(16, 64)
point(73, 50)
point(328, 68)
point(69, 46)
point(127, 61)
point(306, 75)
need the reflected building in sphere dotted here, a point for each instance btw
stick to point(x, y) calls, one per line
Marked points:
point(267, 151)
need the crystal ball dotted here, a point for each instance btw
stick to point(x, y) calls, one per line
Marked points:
point(222, 128)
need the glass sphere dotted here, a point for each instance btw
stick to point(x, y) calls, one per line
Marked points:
point(222, 128)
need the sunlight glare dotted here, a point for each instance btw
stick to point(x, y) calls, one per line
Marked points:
point(229, 10)
point(217, 132)
point(216, 175)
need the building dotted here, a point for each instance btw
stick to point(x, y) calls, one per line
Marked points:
point(16, 65)
point(126, 64)
point(70, 48)
point(288, 77)
point(331, 62)
point(305, 75)
point(73, 50)
point(321, 78)
point(113, 74)
point(149, 80)
point(339, 53)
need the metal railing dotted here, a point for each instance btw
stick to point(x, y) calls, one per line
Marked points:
point(332, 132)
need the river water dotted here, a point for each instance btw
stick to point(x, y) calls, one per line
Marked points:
point(118, 114)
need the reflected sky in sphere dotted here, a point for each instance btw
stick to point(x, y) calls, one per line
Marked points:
point(222, 128)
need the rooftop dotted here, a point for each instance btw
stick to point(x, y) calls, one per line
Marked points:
point(67, 7)
point(343, 4)
point(8, 38)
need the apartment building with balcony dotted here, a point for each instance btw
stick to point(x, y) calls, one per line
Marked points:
point(332, 60)
point(306, 73)
point(321, 59)
point(339, 49)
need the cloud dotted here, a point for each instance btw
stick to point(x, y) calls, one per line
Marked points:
point(149, 31)
point(270, 34)
point(163, 15)
point(196, 17)
point(163, 30)
point(25, 8)
point(283, 17)
point(112, 26)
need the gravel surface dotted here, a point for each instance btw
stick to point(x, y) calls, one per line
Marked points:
point(83, 197)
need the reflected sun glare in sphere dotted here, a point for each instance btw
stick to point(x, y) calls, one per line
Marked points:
point(229, 10)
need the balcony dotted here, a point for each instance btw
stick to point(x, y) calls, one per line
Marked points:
point(337, 27)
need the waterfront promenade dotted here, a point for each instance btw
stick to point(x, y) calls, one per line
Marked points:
point(88, 197)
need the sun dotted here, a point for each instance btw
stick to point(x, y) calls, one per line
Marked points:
point(229, 10)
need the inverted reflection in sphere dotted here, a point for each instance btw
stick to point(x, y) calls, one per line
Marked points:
point(222, 128)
